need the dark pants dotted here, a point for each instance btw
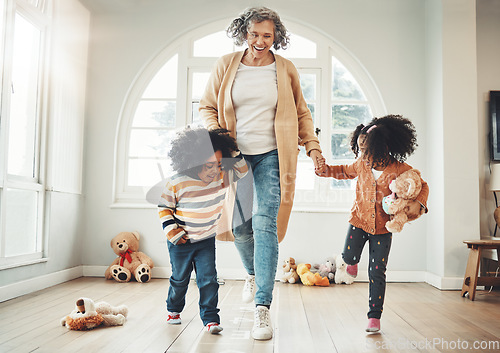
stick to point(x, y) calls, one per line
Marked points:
point(379, 247)
point(199, 256)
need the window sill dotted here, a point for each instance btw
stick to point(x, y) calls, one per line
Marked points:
point(315, 208)
point(132, 205)
point(6, 266)
point(319, 209)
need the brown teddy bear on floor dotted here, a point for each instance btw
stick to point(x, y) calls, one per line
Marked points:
point(130, 263)
point(88, 315)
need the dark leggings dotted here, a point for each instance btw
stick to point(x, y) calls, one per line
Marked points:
point(379, 246)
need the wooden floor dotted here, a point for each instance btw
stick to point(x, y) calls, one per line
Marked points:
point(417, 318)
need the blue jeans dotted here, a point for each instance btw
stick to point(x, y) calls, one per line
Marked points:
point(256, 238)
point(199, 256)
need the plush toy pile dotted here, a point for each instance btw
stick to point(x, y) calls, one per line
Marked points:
point(130, 263)
point(88, 315)
point(311, 279)
point(405, 188)
point(326, 269)
point(290, 271)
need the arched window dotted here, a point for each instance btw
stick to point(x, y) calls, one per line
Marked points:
point(165, 97)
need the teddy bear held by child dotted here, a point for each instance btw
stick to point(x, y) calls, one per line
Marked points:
point(405, 188)
point(130, 263)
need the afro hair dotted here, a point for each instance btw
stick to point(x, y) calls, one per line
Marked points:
point(391, 137)
point(193, 146)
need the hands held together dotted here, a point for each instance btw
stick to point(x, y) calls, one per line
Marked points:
point(319, 162)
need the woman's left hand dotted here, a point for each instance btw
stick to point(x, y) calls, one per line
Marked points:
point(318, 160)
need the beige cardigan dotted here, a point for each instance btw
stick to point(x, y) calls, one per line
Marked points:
point(293, 125)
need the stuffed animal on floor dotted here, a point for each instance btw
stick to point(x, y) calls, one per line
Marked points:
point(405, 188)
point(311, 279)
point(130, 263)
point(341, 275)
point(88, 315)
point(290, 271)
point(326, 269)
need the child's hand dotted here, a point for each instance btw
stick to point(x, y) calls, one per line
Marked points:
point(322, 168)
point(182, 240)
point(318, 160)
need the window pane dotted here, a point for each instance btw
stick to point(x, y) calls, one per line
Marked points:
point(164, 84)
point(150, 143)
point(344, 85)
point(305, 175)
point(348, 116)
point(343, 184)
point(308, 85)
point(147, 172)
point(299, 47)
point(302, 153)
point(196, 118)
point(200, 80)
point(21, 222)
point(23, 109)
point(341, 146)
point(155, 114)
point(213, 45)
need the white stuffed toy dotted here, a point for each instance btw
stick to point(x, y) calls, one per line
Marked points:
point(341, 275)
point(88, 315)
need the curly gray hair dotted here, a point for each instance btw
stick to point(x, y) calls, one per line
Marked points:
point(238, 29)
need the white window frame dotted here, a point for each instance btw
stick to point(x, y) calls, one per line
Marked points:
point(319, 199)
point(37, 13)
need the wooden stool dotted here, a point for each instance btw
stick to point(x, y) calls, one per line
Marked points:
point(471, 279)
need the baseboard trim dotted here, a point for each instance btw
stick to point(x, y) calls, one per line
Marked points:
point(31, 285)
point(34, 284)
point(444, 283)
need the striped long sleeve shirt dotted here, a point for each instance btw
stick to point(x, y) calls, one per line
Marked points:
point(192, 208)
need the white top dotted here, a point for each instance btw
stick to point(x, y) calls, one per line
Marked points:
point(255, 95)
point(377, 173)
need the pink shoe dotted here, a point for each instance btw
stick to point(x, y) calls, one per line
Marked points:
point(352, 270)
point(373, 325)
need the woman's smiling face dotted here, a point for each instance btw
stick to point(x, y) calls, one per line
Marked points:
point(260, 38)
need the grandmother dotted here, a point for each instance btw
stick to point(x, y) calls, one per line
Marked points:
point(256, 95)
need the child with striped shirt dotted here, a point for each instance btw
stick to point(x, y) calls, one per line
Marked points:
point(190, 208)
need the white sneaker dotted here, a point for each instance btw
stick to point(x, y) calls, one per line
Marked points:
point(174, 318)
point(262, 329)
point(214, 328)
point(248, 289)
